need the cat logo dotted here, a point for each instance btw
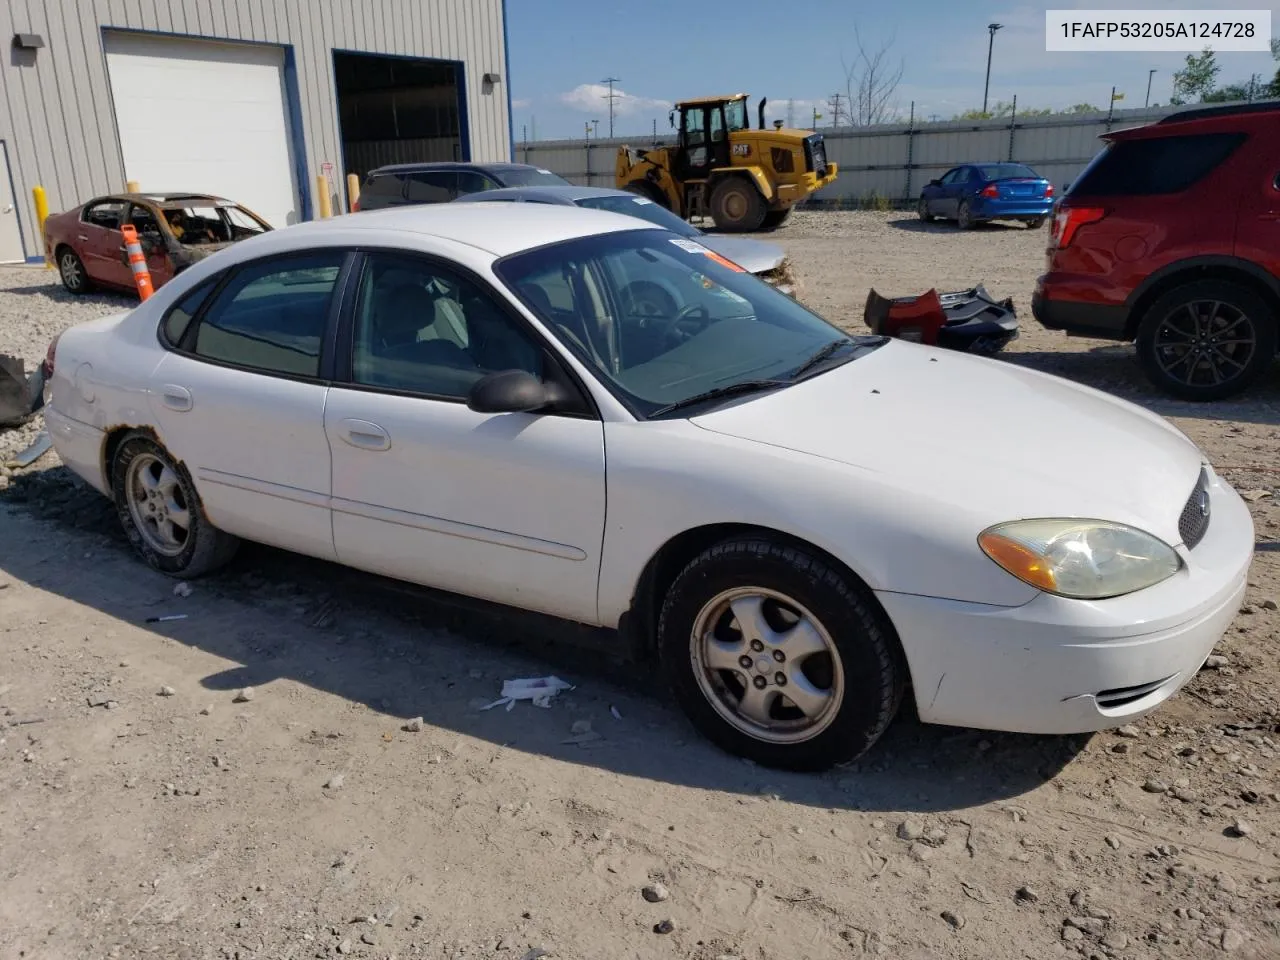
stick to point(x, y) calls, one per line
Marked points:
point(742, 149)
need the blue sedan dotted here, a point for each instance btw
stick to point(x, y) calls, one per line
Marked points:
point(978, 192)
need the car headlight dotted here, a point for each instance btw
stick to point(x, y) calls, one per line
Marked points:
point(1083, 559)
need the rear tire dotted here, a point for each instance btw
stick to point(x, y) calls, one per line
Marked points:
point(736, 205)
point(776, 218)
point(794, 617)
point(1207, 340)
point(161, 512)
point(71, 270)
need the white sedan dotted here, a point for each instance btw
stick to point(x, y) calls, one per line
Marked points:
point(800, 523)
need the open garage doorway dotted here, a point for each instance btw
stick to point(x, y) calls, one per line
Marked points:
point(398, 110)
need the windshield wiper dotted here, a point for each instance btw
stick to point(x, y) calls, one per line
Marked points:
point(821, 355)
point(743, 386)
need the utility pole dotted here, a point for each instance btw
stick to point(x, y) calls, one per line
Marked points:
point(655, 129)
point(610, 96)
point(595, 129)
point(816, 117)
point(835, 109)
point(524, 132)
point(1150, 74)
point(991, 41)
point(791, 114)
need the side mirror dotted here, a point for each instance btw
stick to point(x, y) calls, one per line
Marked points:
point(1066, 186)
point(935, 183)
point(511, 391)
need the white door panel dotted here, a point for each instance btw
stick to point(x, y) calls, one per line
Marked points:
point(255, 446)
point(205, 117)
point(508, 508)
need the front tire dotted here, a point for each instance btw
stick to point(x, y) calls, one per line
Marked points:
point(922, 210)
point(736, 205)
point(1207, 340)
point(779, 658)
point(964, 216)
point(71, 269)
point(161, 513)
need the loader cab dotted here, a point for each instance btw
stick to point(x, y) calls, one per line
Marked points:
point(704, 133)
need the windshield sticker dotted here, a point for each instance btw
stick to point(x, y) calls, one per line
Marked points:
point(540, 170)
point(691, 247)
point(641, 200)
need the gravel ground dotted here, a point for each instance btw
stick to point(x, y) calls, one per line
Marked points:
point(151, 805)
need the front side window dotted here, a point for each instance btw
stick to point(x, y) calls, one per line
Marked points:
point(735, 115)
point(421, 328)
point(272, 315)
point(662, 319)
point(432, 186)
point(471, 182)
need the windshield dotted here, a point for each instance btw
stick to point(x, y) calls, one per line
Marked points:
point(661, 319)
point(644, 208)
point(530, 177)
point(735, 115)
point(1007, 171)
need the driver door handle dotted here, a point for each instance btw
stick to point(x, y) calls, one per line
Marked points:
point(365, 435)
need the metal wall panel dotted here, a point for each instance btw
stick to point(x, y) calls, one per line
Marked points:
point(55, 106)
point(874, 160)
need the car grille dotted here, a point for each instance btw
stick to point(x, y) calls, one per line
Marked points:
point(1194, 521)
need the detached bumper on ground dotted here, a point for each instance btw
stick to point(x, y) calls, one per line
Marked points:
point(1057, 666)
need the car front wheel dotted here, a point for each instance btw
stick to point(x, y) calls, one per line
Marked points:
point(778, 657)
point(922, 210)
point(1207, 340)
point(161, 512)
point(964, 216)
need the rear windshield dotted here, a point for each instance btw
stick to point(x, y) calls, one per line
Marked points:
point(1007, 171)
point(529, 177)
point(644, 208)
point(1155, 166)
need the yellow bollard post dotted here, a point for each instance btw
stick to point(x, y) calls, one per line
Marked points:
point(322, 193)
point(131, 186)
point(42, 214)
point(353, 192)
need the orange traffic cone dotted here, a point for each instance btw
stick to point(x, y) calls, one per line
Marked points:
point(137, 261)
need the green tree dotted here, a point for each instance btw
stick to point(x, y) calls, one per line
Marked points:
point(1197, 79)
point(1228, 94)
point(1273, 88)
point(1082, 108)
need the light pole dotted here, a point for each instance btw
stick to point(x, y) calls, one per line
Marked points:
point(1150, 74)
point(991, 41)
point(610, 96)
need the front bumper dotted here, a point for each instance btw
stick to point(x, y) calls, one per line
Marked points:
point(1057, 666)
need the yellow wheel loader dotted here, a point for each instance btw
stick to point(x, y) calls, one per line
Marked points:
point(745, 179)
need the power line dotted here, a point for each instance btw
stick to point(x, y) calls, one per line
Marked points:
point(611, 96)
point(834, 102)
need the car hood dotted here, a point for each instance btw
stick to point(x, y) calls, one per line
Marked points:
point(754, 256)
point(995, 441)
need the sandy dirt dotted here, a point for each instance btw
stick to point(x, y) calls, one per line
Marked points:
point(151, 807)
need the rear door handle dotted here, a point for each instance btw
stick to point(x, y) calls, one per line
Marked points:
point(176, 397)
point(365, 435)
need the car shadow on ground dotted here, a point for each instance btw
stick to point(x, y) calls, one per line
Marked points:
point(56, 293)
point(914, 224)
point(406, 653)
point(1114, 368)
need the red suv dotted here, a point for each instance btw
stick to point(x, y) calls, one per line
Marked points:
point(1171, 238)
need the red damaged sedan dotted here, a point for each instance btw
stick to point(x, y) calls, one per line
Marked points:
point(175, 230)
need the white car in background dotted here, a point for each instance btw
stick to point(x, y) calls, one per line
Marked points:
point(801, 523)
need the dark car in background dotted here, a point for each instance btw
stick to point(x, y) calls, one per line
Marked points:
point(401, 184)
point(1170, 238)
point(978, 192)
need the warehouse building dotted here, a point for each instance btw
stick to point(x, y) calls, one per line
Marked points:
point(247, 99)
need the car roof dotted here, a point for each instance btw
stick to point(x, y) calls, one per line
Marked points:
point(1227, 118)
point(499, 229)
point(495, 167)
point(157, 198)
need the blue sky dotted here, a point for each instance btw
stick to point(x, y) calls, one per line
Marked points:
point(664, 50)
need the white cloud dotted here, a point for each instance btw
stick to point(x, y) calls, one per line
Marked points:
point(594, 98)
point(520, 104)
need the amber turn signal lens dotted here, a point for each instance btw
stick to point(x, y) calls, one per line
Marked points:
point(1024, 564)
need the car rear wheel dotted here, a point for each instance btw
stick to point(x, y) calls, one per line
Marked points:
point(71, 270)
point(964, 216)
point(779, 658)
point(161, 512)
point(922, 210)
point(736, 205)
point(1207, 340)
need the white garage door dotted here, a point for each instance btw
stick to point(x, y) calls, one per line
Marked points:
point(205, 117)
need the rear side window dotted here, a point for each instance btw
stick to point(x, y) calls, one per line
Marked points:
point(179, 316)
point(386, 186)
point(432, 186)
point(1156, 166)
point(272, 315)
